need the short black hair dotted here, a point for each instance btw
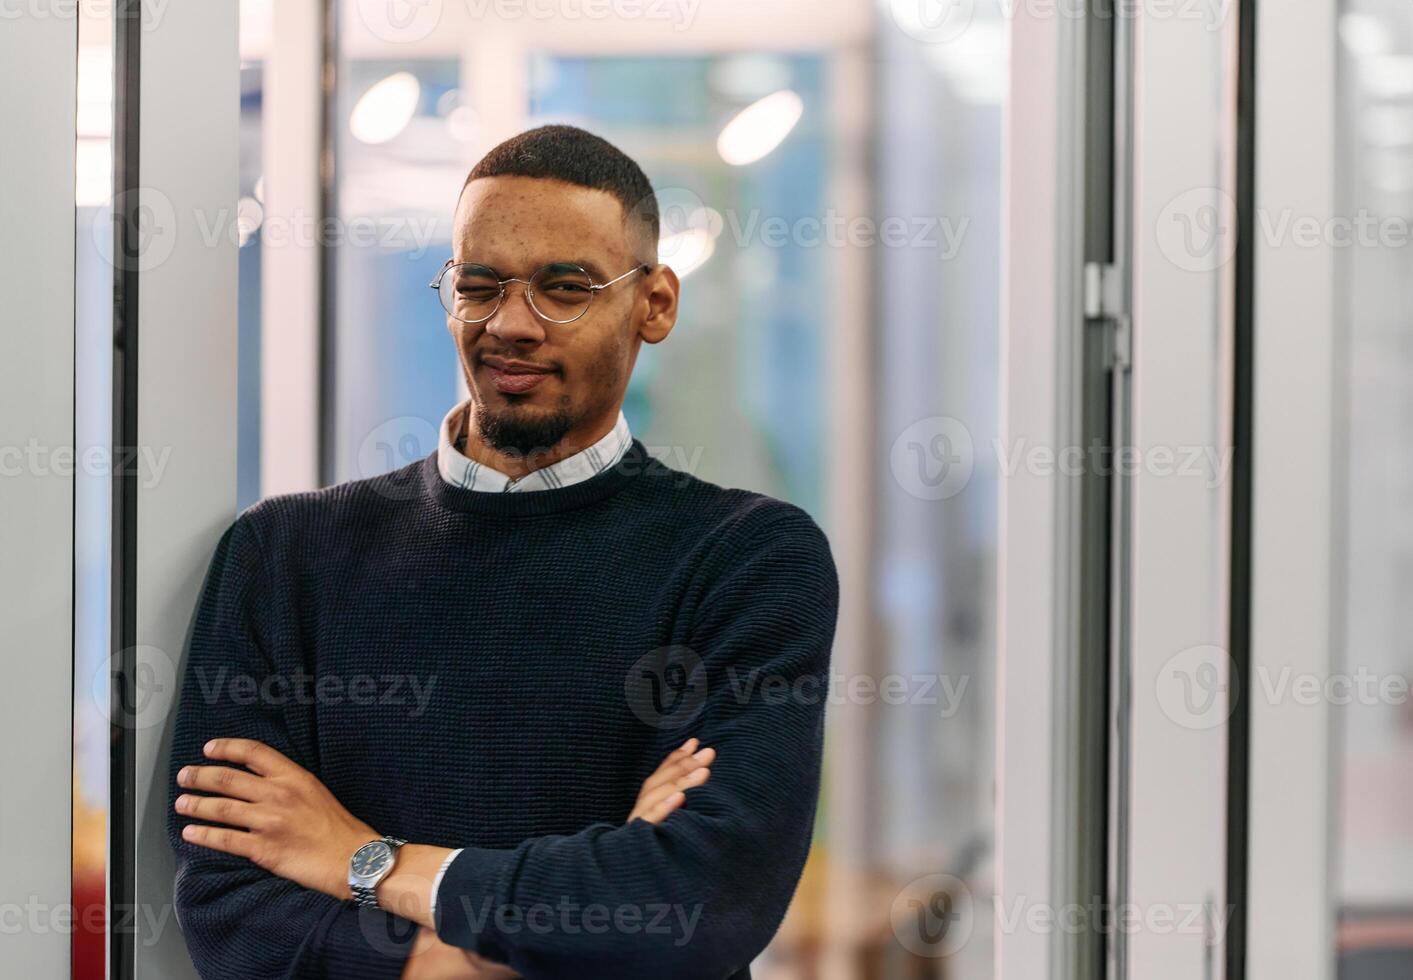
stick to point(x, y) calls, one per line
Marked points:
point(578, 157)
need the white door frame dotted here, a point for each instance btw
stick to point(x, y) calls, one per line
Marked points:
point(187, 82)
point(1041, 328)
point(1183, 313)
point(1290, 919)
point(38, 92)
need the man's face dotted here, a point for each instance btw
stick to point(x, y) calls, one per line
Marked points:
point(533, 381)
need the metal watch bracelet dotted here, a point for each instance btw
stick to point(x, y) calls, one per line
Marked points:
point(366, 897)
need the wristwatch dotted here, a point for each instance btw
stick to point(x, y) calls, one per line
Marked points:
point(369, 865)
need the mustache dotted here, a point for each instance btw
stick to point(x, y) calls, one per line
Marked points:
point(479, 356)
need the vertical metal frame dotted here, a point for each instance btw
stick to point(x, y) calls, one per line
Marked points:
point(1290, 917)
point(176, 165)
point(1239, 642)
point(1038, 623)
point(327, 361)
point(1177, 560)
point(127, 249)
point(1116, 299)
point(38, 92)
point(1098, 799)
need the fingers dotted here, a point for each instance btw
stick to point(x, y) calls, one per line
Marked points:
point(658, 812)
point(223, 780)
point(688, 779)
point(219, 809)
point(681, 762)
point(238, 842)
point(665, 790)
point(255, 756)
point(669, 765)
point(656, 808)
point(650, 801)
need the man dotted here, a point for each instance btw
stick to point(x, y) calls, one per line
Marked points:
point(498, 652)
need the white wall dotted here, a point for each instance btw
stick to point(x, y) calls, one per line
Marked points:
point(38, 80)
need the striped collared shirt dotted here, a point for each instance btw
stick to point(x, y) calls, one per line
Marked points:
point(460, 470)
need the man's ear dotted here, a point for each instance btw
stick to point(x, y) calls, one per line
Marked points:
point(661, 292)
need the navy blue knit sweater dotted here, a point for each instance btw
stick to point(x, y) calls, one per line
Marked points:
point(501, 672)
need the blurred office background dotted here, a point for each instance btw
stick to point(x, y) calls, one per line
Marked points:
point(803, 351)
point(801, 359)
point(1373, 754)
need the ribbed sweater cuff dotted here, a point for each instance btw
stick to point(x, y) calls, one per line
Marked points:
point(469, 912)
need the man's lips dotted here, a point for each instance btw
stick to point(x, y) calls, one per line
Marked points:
point(514, 377)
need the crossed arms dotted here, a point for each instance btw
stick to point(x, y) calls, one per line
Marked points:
point(264, 897)
point(281, 818)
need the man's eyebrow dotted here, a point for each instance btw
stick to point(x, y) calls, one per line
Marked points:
point(588, 265)
point(591, 267)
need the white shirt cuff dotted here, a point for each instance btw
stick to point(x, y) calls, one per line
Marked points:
point(437, 884)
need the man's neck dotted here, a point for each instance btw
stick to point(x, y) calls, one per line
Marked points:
point(518, 467)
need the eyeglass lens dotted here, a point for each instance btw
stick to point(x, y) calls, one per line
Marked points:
point(558, 292)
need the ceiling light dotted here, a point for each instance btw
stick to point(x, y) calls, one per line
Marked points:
point(759, 128)
point(385, 109)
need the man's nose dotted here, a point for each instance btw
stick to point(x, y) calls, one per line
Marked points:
point(515, 322)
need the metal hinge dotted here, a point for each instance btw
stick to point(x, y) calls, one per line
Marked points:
point(1123, 342)
point(1103, 300)
point(1102, 291)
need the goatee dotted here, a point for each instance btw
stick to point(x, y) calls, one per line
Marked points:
point(521, 434)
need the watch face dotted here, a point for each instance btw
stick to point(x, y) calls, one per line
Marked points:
point(370, 859)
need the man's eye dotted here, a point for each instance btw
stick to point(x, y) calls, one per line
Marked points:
point(567, 287)
point(478, 294)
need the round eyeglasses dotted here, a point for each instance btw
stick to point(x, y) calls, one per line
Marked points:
point(560, 292)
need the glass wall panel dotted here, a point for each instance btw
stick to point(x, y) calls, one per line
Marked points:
point(400, 162)
point(93, 424)
point(937, 330)
point(1373, 660)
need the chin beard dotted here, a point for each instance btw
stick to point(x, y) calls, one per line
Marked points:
point(522, 434)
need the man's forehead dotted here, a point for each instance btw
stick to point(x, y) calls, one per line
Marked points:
point(523, 212)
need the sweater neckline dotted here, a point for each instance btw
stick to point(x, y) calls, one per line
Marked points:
point(526, 503)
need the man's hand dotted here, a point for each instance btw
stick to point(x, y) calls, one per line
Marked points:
point(663, 791)
point(286, 820)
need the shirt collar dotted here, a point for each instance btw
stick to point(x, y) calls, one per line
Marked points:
point(461, 471)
